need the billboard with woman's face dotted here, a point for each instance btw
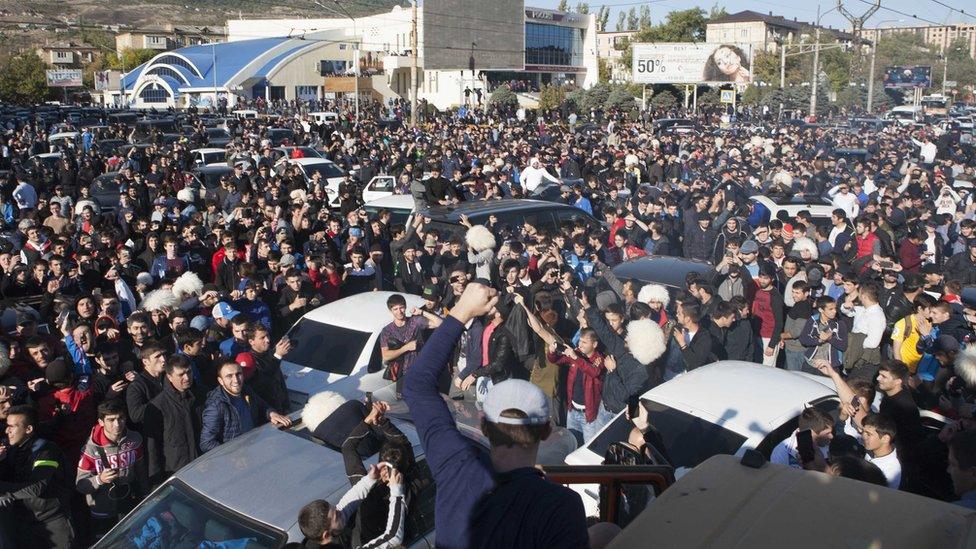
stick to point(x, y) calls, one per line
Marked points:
point(691, 63)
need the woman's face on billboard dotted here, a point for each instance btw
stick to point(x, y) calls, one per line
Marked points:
point(727, 60)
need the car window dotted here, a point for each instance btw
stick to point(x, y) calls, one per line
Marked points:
point(540, 219)
point(175, 516)
point(571, 216)
point(326, 347)
point(382, 184)
point(687, 440)
point(781, 433)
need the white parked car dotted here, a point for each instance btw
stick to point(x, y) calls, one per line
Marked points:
point(324, 117)
point(332, 174)
point(378, 187)
point(820, 207)
point(208, 156)
point(400, 206)
point(726, 407)
point(337, 347)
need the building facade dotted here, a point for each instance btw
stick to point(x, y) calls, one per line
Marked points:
point(766, 31)
point(939, 36)
point(67, 55)
point(168, 37)
point(611, 45)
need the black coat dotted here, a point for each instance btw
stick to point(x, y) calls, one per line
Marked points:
point(502, 361)
point(173, 421)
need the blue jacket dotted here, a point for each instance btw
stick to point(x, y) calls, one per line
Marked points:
point(462, 472)
point(221, 421)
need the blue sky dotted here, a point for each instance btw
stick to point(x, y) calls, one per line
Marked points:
point(804, 11)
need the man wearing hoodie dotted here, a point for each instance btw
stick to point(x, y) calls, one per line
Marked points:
point(112, 472)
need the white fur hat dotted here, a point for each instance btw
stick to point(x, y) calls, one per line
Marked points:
point(965, 366)
point(164, 298)
point(805, 243)
point(187, 284)
point(654, 292)
point(479, 238)
point(645, 340)
point(319, 407)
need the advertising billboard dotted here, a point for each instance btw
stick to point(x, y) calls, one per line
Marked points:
point(691, 63)
point(908, 77)
point(453, 32)
point(107, 80)
point(64, 78)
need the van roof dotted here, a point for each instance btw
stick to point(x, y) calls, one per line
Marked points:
point(453, 213)
point(722, 503)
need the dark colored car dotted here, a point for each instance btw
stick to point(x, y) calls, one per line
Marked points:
point(279, 135)
point(105, 190)
point(209, 176)
point(510, 213)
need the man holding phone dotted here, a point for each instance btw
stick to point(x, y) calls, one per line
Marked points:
point(814, 431)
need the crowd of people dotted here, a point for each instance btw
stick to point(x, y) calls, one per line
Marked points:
point(137, 339)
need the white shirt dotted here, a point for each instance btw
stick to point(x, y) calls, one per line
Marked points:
point(927, 151)
point(785, 453)
point(869, 321)
point(847, 202)
point(890, 466)
point(531, 178)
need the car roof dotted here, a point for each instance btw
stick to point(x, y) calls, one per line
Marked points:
point(722, 503)
point(214, 168)
point(243, 474)
point(744, 397)
point(393, 201)
point(208, 150)
point(665, 270)
point(791, 200)
point(365, 312)
point(305, 161)
point(482, 208)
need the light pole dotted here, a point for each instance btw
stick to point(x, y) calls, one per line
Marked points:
point(816, 62)
point(874, 51)
point(945, 69)
point(345, 13)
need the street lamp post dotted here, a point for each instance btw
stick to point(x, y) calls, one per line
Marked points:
point(874, 51)
point(816, 62)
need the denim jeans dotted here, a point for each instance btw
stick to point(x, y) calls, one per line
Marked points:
point(585, 431)
point(794, 360)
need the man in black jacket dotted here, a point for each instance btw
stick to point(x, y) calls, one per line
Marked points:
point(33, 505)
point(296, 299)
point(174, 417)
point(262, 368)
point(698, 344)
point(410, 276)
point(503, 362)
point(147, 384)
point(439, 190)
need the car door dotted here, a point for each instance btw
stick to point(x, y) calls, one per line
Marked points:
point(541, 219)
point(378, 187)
point(830, 405)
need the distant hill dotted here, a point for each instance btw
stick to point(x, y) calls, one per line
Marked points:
point(188, 12)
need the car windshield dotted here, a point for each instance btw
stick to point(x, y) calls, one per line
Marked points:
point(217, 132)
point(175, 516)
point(325, 347)
point(328, 170)
point(688, 440)
point(445, 230)
point(397, 216)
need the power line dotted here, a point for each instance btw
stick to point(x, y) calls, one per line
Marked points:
point(944, 5)
point(902, 13)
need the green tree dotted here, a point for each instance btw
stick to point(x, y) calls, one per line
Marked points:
point(644, 17)
point(596, 97)
point(602, 17)
point(632, 19)
point(605, 70)
point(620, 98)
point(962, 67)
point(583, 8)
point(664, 99)
point(503, 96)
point(712, 96)
point(621, 21)
point(130, 59)
point(22, 80)
point(563, 5)
point(551, 97)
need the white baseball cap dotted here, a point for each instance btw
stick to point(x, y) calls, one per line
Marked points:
point(517, 394)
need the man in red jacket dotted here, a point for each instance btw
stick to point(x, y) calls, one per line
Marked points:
point(584, 384)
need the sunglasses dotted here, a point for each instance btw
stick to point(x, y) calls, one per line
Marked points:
point(457, 279)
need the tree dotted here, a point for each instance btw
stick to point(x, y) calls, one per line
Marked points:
point(644, 17)
point(605, 69)
point(602, 17)
point(632, 19)
point(131, 58)
point(504, 97)
point(563, 5)
point(621, 21)
point(620, 98)
point(582, 8)
point(22, 80)
point(596, 97)
point(551, 97)
point(664, 99)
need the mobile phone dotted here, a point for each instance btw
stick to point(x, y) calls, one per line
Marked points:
point(856, 403)
point(804, 445)
point(633, 404)
point(369, 398)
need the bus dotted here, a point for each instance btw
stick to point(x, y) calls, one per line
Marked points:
point(935, 105)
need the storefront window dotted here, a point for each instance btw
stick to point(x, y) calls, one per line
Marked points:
point(553, 45)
